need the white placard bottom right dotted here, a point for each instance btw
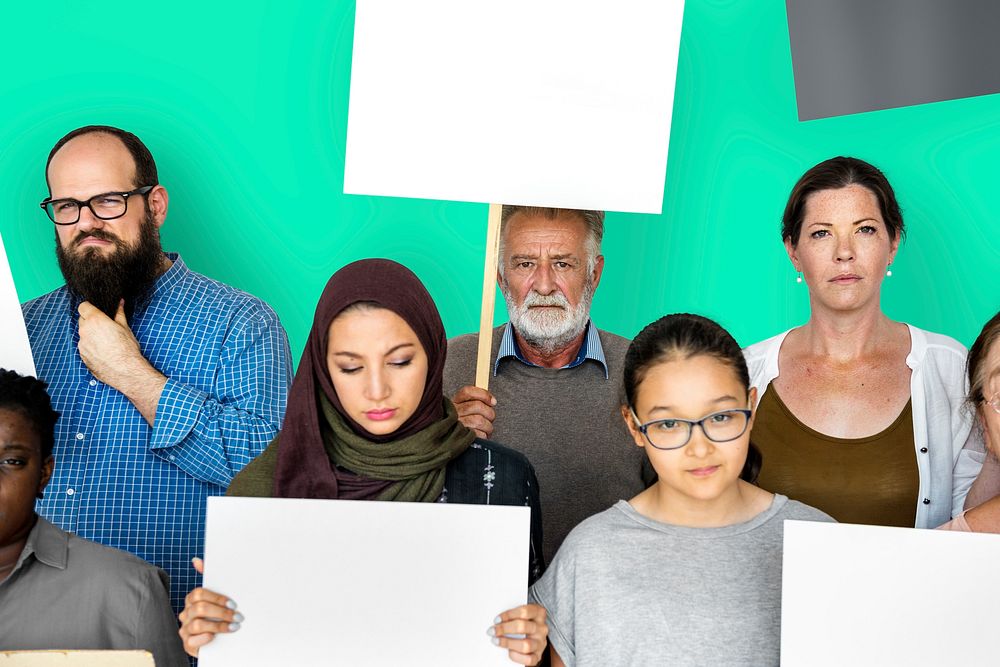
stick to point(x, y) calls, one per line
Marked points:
point(871, 595)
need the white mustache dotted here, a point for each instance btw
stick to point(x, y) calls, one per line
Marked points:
point(536, 299)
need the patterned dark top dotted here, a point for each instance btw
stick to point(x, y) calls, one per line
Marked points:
point(487, 473)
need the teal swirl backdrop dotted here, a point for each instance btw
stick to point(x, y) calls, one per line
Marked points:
point(246, 113)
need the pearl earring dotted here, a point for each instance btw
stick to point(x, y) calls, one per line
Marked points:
point(888, 272)
point(798, 278)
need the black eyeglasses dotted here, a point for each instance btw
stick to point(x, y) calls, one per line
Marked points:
point(106, 206)
point(720, 426)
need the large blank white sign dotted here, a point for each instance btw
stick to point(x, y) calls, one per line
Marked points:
point(562, 103)
point(15, 352)
point(339, 582)
point(871, 595)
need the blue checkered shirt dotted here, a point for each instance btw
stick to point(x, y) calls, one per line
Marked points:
point(125, 484)
point(591, 348)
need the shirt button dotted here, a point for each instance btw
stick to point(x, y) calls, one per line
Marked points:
point(172, 457)
point(927, 501)
point(93, 383)
point(79, 436)
point(70, 491)
point(923, 450)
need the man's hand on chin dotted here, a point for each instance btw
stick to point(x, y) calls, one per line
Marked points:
point(111, 352)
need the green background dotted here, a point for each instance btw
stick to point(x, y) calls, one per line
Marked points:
point(245, 110)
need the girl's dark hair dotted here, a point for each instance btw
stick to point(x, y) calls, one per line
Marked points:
point(681, 336)
point(833, 174)
point(27, 395)
point(977, 354)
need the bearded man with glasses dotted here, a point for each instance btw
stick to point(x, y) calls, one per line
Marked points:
point(556, 382)
point(168, 382)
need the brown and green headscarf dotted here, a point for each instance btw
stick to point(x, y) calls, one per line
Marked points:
point(322, 451)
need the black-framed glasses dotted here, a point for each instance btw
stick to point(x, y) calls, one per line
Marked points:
point(721, 426)
point(106, 206)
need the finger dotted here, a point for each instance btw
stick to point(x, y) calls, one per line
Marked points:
point(473, 393)
point(195, 642)
point(195, 638)
point(203, 626)
point(120, 315)
point(205, 596)
point(520, 627)
point(535, 612)
point(482, 427)
point(85, 309)
point(88, 310)
point(521, 651)
point(199, 565)
point(469, 408)
point(209, 612)
point(524, 659)
point(520, 644)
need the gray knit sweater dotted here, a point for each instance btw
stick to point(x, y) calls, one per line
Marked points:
point(567, 422)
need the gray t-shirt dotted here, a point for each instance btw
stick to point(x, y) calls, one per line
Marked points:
point(627, 590)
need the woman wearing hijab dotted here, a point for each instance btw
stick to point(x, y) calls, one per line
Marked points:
point(367, 420)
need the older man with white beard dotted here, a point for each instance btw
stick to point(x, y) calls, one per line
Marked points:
point(557, 379)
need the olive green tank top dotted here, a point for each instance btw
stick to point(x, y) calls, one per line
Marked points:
point(871, 480)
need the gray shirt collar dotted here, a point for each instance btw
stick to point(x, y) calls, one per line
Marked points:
point(49, 544)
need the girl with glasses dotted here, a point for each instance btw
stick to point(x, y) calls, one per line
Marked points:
point(689, 570)
point(367, 419)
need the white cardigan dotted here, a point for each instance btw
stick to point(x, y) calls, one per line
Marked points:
point(949, 451)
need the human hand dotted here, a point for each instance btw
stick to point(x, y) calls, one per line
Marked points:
point(112, 354)
point(475, 409)
point(523, 632)
point(107, 346)
point(205, 614)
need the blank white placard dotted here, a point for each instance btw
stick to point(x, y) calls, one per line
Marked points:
point(340, 582)
point(15, 351)
point(562, 103)
point(870, 595)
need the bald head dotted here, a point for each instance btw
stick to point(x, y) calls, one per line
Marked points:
point(89, 165)
point(138, 160)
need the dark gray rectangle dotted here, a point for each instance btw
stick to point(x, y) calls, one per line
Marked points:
point(850, 56)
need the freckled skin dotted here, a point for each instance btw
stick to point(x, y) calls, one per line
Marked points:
point(843, 234)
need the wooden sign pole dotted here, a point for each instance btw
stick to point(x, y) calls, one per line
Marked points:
point(489, 297)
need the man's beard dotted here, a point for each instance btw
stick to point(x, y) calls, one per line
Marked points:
point(549, 329)
point(127, 273)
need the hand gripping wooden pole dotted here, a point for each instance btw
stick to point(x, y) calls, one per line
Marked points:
point(489, 297)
